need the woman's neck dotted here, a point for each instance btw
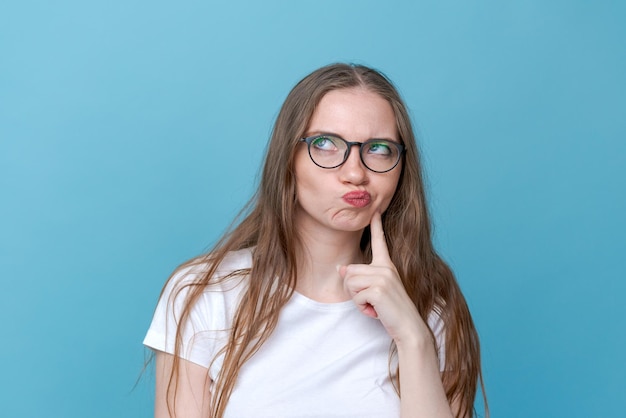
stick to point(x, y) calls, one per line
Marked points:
point(320, 253)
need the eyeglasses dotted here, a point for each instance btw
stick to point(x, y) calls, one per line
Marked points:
point(378, 155)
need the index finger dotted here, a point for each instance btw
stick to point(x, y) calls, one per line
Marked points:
point(380, 252)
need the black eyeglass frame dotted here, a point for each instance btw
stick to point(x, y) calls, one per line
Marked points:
point(308, 140)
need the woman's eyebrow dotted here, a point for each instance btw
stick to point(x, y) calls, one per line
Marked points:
point(321, 133)
point(309, 134)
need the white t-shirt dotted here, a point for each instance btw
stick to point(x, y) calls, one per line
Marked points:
point(322, 360)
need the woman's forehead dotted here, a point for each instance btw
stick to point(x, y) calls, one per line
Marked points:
point(355, 114)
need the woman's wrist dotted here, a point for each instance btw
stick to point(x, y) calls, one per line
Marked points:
point(416, 343)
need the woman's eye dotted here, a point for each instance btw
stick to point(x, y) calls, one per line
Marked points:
point(380, 148)
point(324, 143)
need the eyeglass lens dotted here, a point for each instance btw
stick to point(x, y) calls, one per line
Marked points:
point(377, 154)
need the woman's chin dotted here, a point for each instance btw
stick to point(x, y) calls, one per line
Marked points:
point(350, 225)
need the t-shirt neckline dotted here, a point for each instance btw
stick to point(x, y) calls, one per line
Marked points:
point(302, 300)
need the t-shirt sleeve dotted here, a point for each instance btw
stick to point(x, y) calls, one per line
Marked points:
point(436, 324)
point(202, 333)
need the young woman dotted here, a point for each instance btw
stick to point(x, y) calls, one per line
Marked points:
point(328, 299)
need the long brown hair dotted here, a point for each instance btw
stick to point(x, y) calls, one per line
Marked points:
point(268, 225)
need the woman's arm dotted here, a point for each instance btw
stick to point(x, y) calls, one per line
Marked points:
point(421, 390)
point(378, 291)
point(188, 396)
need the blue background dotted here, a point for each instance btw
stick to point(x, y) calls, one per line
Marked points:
point(131, 133)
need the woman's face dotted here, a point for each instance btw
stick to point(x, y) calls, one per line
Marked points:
point(346, 197)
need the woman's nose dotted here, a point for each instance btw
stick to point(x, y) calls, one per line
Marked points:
point(353, 170)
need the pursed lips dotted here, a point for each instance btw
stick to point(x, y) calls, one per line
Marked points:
point(357, 198)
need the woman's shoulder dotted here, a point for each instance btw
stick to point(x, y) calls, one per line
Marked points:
point(195, 270)
point(227, 281)
point(235, 261)
point(206, 305)
point(225, 286)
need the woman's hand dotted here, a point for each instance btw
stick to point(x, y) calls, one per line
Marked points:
point(377, 290)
